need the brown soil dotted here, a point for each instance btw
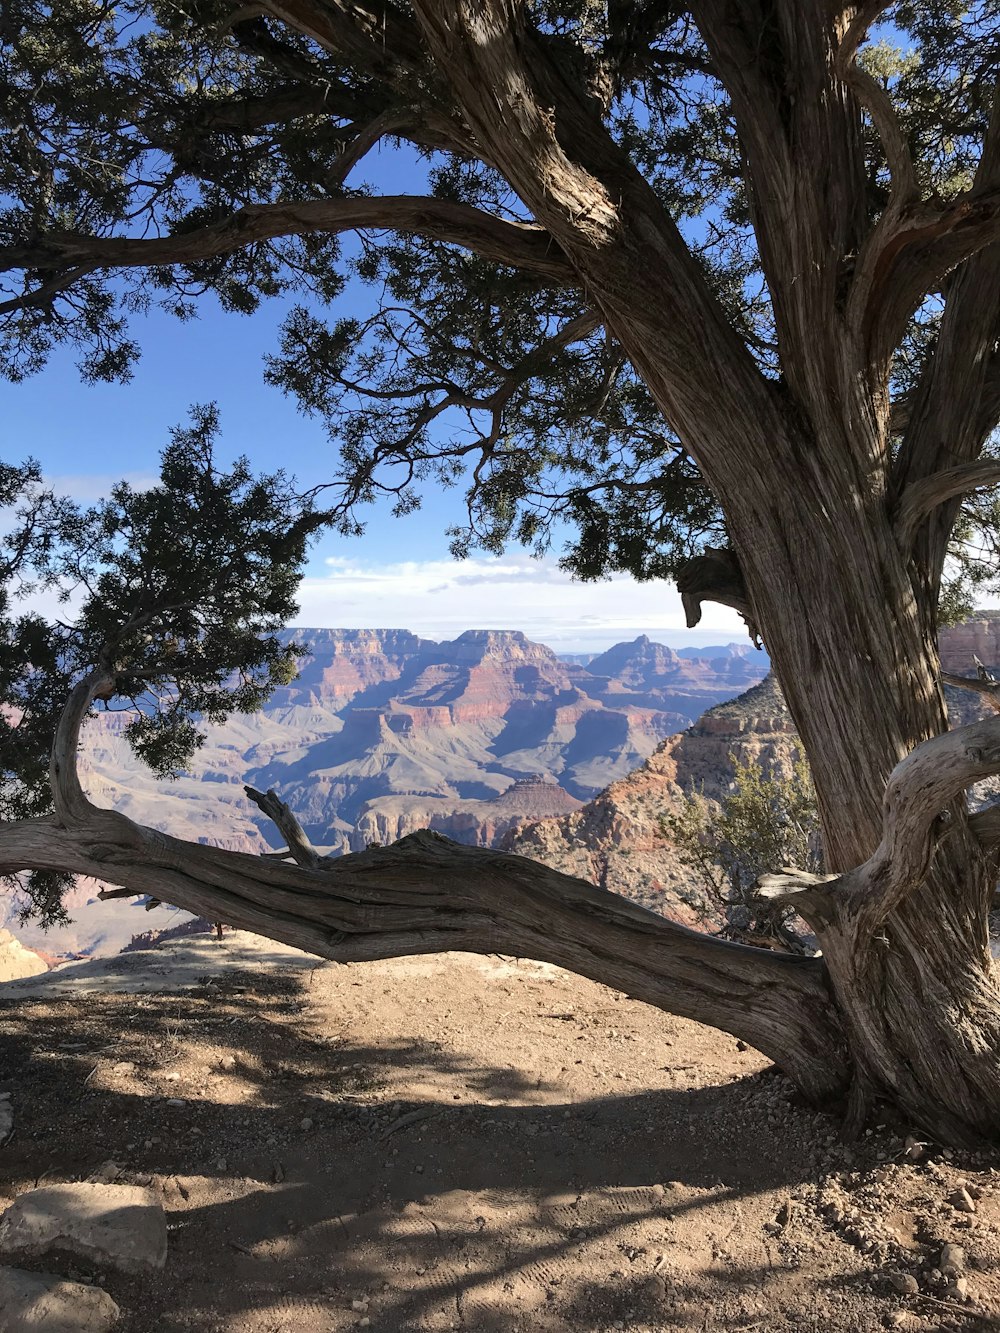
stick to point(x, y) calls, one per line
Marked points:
point(483, 1145)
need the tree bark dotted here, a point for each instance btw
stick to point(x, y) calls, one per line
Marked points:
point(801, 467)
point(426, 894)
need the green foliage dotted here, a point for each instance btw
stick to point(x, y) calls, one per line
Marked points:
point(151, 119)
point(181, 590)
point(764, 822)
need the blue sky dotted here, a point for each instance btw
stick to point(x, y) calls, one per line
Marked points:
point(399, 573)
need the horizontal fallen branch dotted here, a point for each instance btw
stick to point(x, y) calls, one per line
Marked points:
point(426, 894)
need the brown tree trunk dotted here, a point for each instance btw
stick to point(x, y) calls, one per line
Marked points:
point(916, 988)
point(801, 469)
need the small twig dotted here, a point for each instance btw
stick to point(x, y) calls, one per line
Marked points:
point(411, 1118)
point(955, 1308)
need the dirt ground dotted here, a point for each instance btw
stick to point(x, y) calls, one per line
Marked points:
point(478, 1144)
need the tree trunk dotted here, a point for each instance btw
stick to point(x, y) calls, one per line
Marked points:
point(800, 467)
point(914, 983)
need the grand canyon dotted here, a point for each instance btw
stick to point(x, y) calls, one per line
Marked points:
point(489, 738)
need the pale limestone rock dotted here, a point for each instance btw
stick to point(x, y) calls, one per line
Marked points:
point(111, 1226)
point(16, 961)
point(44, 1303)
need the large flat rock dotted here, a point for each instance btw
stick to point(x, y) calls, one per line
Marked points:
point(43, 1303)
point(111, 1226)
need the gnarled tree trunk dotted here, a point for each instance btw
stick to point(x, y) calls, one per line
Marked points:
point(839, 523)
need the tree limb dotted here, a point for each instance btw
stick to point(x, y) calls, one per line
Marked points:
point(299, 846)
point(715, 576)
point(918, 809)
point(519, 244)
point(426, 894)
point(374, 38)
point(989, 688)
point(985, 826)
point(68, 797)
point(956, 402)
point(387, 122)
point(920, 497)
point(545, 134)
point(897, 151)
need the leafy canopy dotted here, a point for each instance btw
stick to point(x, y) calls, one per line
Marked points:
point(145, 120)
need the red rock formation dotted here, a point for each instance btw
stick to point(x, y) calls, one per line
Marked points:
point(960, 644)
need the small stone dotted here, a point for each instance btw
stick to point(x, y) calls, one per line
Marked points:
point(278, 1173)
point(44, 1303)
point(952, 1257)
point(305, 1124)
point(958, 1289)
point(123, 1067)
point(962, 1200)
point(905, 1283)
point(113, 1226)
point(742, 1046)
point(172, 1076)
point(176, 1101)
point(228, 1062)
point(106, 1173)
point(658, 1191)
point(360, 1306)
point(913, 1149)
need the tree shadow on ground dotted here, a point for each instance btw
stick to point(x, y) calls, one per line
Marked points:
point(301, 1196)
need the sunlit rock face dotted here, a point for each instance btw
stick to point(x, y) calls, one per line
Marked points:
point(16, 961)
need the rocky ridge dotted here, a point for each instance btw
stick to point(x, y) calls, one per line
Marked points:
point(617, 839)
point(383, 733)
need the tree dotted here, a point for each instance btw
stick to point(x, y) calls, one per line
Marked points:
point(765, 819)
point(716, 282)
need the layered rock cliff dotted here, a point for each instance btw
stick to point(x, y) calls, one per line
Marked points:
point(383, 733)
point(617, 840)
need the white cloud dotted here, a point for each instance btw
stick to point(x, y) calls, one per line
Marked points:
point(438, 599)
point(87, 488)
